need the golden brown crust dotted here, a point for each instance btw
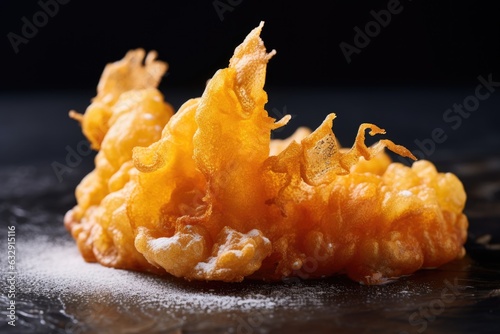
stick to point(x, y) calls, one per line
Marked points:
point(127, 112)
point(209, 196)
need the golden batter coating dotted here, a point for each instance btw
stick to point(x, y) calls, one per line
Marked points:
point(211, 197)
point(128, 111)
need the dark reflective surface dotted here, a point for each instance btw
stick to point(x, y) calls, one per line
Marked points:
point(57, 292)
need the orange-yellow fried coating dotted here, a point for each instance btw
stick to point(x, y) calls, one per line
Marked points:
point(205, 194)
point(128, 111)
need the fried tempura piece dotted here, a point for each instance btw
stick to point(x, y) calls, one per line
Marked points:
point(202, 211)
point(215, 199)
point(379, 221)
point(128, 111)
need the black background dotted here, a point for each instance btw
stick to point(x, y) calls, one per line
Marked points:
point(426, 59)
point(428, 42)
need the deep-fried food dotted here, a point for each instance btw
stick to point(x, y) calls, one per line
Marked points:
point(212, 197)
point(128, 111)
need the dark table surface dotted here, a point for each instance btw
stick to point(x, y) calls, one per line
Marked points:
point(57, 292)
